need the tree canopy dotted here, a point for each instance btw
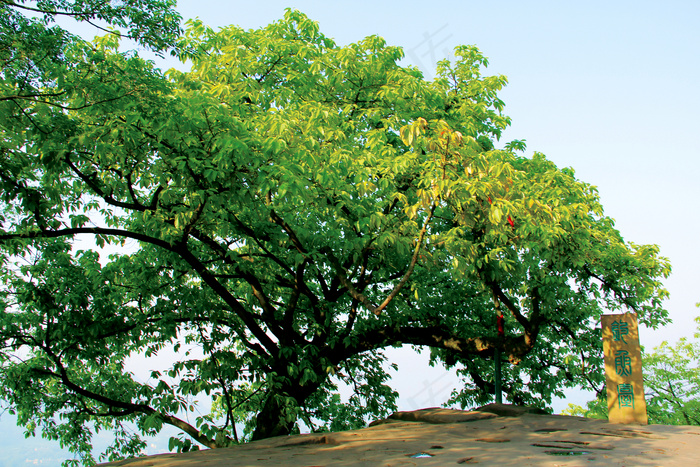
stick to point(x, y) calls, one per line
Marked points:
point(291, 207)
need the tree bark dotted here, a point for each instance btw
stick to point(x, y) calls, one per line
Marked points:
point(271, 420)
point(277, 417)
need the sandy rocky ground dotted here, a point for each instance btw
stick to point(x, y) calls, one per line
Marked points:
point(494, 435)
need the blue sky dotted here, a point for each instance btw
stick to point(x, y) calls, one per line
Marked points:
point(608, 88)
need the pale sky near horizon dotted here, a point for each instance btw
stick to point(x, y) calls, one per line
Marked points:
point(610, 88)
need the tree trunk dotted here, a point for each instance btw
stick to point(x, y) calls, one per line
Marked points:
point(277, 417)
point(272, 420)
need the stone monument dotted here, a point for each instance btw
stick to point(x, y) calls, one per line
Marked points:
point(623, 369)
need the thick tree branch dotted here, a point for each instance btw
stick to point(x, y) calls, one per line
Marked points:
point(514, 347)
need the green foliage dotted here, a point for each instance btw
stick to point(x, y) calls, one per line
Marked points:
point(672, 382)
point(41, 62)
point(597, 408)
point(291, 208)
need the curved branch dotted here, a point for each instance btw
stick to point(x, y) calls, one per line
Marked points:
point(32, 97)
point(93, 184)
point(247, 317)
point(126, 407)
point(103, 231)
point(411, 266)
point(87, 14)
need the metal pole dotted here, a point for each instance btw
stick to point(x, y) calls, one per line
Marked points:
point(497, 352)
point(497, 376)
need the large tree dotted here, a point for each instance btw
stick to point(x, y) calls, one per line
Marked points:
point(291, 207)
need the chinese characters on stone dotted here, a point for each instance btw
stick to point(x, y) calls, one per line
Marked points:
point(625, 395)
point(623, 369)
point(619, 330)
point(623, 365)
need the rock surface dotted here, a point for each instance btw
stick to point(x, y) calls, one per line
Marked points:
point(495, 435)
